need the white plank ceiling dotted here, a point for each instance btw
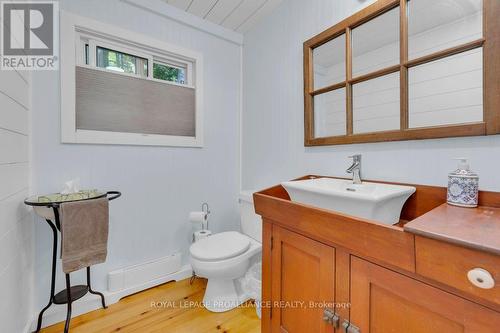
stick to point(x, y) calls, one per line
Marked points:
point(237, 15)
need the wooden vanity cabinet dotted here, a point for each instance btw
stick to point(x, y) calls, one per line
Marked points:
point(325, 272)
point(384, 301)
point(303, 280)
point(302, 284)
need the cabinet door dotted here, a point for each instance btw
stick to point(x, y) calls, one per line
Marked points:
point(385, 301)
point(303, 280)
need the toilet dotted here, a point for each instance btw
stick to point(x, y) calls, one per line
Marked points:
point(224, 258)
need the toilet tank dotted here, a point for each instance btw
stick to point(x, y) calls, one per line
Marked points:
point(251, 223)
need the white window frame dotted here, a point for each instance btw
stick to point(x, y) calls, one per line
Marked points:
point(175, 64)
point(94, 43)
point(76, 31)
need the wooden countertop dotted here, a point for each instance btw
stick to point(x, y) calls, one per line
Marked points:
point(430, 216)
point(477, 228)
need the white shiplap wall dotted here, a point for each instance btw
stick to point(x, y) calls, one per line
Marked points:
point(237, 15)
point(448, 91)
point(160, 185)
point(16, 223)
point(273, 119)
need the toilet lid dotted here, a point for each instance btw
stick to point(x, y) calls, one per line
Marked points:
point(220, 246)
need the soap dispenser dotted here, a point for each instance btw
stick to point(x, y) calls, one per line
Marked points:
point(463, 186)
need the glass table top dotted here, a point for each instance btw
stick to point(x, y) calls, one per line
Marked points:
point(57, 198)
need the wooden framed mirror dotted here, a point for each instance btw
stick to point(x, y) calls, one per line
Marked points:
point(404, 69)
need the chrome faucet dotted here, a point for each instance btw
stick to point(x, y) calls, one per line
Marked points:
point(355, 169)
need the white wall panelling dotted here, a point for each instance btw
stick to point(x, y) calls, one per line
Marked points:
point(201, 8)
point(14, 147)
point(14, 86)
point(330, 114)
point(431, 21)
point(162, 8)
point(376, 104)
point(13, 177)
point(16, 223)
point(329, 63)
point(13, 116)
point(238, 15)
point(75, 100)
point(181, 4)
point(448, 91)
point(221, 10)
point(375, 44)
point(160, 185)
point(273, 118)
point(241, 13)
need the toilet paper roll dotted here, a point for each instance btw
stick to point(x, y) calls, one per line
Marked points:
point(201, 234)
point(197, 217)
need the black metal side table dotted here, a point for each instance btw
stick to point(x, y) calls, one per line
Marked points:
point(47, 206)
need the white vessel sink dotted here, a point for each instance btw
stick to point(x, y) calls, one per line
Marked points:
point(374, 201)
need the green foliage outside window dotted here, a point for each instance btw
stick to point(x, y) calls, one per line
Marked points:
point(108, 58)
point(121, 61)
point(168, 73)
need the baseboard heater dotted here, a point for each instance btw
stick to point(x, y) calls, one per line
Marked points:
point(133, 276)
point(123, 282)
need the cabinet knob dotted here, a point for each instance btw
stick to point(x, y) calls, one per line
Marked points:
point(348, 327)
point(481, 278)
point(331, 317)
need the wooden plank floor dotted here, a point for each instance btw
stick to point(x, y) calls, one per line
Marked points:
point(136, 313)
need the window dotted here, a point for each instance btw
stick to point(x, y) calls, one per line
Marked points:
point(86, 55)
point(125, 88)
point(121, 62)
point(169, 73)
point(114, 56)
point(404, 69)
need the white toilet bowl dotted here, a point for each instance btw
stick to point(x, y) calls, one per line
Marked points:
point(224, 258)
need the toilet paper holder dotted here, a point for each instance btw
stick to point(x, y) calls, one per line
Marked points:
point(205, 209)
point(204, 225)
point(201, 216)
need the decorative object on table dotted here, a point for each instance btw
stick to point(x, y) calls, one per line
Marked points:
point(52, 203)
point(463, 186)
point(71, 186)
point(75, 196)
point(41, 207)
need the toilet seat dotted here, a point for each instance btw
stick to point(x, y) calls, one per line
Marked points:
point(220, 246)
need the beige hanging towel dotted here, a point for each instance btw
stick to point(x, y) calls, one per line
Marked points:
point(84, 230)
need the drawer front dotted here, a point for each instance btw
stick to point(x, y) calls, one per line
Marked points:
point(474, 272)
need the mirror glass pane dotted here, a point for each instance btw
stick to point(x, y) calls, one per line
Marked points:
point(447, 91)
point(329, 63)
point(435, 25)
point(330, 113)
point(376, 104)
point(375, 44)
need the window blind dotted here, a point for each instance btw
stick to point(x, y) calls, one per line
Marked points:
point(117, 103)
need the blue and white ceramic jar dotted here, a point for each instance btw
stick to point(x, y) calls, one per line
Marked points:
point(463, 186)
